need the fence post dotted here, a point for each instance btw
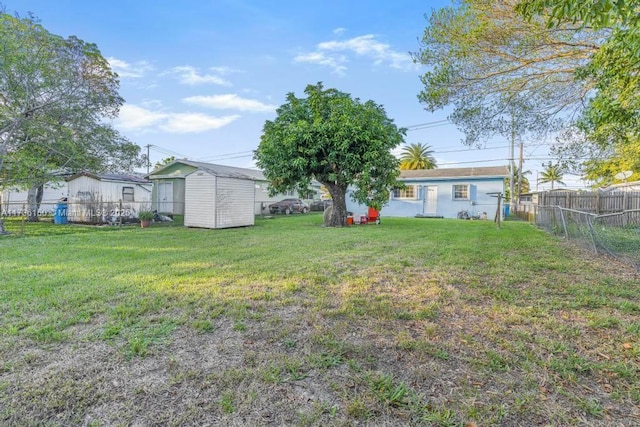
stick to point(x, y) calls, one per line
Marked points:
point(24, 219)
point(564, 224)
point(593, 237)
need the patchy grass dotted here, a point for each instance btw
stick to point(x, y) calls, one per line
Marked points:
point(437, 323)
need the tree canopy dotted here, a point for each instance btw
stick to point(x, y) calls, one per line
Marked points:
point(500, 72)
point(417, 156)
point(533, 65)
point(552, 173)
point(335, 139)
point(56, 95)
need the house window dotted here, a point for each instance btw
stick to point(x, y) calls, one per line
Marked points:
point(408, 192)
point(461, 192)
point(127, 194)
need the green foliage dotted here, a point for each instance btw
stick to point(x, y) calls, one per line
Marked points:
point(164, 162)
point(55, 95)
point(145, 215)
point(417, 156)
point(552, 173)
point(335, 139)
point(501, 73)
point(610, 122)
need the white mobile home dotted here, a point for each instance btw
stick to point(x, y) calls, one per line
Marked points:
point(99, 198)
point(219, 199)
point(14, 201)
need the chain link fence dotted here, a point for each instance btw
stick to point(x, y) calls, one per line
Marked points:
point(616, 234)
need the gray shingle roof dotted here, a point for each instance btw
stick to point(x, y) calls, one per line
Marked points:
point(489, 171)
point(219, 170)
point(123, 177)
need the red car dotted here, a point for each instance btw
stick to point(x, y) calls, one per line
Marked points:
point(288, 206)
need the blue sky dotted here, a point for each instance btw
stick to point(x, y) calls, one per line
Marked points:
point(201, 77)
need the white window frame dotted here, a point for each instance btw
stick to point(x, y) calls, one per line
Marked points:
point(405, 194)
point(467, 191)
point(131, 193)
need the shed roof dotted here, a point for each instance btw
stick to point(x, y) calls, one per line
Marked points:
point(119, 177)
point(444, 173)
point(218, 170)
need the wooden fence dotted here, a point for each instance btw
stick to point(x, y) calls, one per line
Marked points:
point(591, 201)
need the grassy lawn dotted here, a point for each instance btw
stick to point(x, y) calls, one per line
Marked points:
point(411, 322)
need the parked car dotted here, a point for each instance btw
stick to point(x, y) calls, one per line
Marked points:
point(320, 205)
point(287, 206)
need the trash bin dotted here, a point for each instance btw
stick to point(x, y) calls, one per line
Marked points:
point(350, 220)
point(60, 216)
point(506, 210)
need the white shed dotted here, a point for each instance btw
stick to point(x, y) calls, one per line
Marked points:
point(218, 199)
point(98, 198)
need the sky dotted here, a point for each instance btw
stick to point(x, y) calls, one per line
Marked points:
point(201, 77)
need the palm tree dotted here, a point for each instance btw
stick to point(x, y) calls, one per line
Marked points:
point(417, 156)
point(519, 177)
point(552, 174)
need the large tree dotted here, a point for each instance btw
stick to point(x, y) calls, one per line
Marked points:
point(609, 128)
point(503, 74)
point(56, 95)
point(335, 139)
point(417, 156)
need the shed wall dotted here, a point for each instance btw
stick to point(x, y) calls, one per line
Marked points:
point(235, 202)
point(200, 200)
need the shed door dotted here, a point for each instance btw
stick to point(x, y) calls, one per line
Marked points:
point(430, 200)
point(165, 197)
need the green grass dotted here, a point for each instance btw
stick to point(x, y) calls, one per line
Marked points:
point(416, 322)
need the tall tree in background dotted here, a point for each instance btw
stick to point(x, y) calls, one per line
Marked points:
point(335, 139)
point(502, 74)
point(55, 95)
point(552, 173)
point(607, 135)
point(164, 162)
point(417, 156)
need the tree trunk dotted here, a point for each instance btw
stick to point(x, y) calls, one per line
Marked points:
point(338, 217)
point(34, 198)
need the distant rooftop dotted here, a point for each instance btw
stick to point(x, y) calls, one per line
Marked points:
point(121, 177)
point(489, 171)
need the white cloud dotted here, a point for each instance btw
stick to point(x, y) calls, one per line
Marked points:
point(132, 117)
point(135, 118)
point(336, 61)
point(333, 53)
point(230, 102)
point(195, 122)
point(129, 70)
point(339, 30)
point(224, 70)
point(189, 75)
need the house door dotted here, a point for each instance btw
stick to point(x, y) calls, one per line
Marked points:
point(165, 197)
point(430, 200)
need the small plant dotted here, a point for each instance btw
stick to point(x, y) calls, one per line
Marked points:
point(145, 215)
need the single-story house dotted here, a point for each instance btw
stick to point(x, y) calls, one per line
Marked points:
point(168, 194)
point(101, 198)
point(444, 192)
point(218, 198)
point(14, 200)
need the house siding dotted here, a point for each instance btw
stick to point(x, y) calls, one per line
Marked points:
point(479, 200)
point(98, 201)
point(13, 201)
point(200, 200)
point(235, 202)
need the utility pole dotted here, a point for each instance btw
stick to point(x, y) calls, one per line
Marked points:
point(148, 146)
point(512, 163)
point(520, 173)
